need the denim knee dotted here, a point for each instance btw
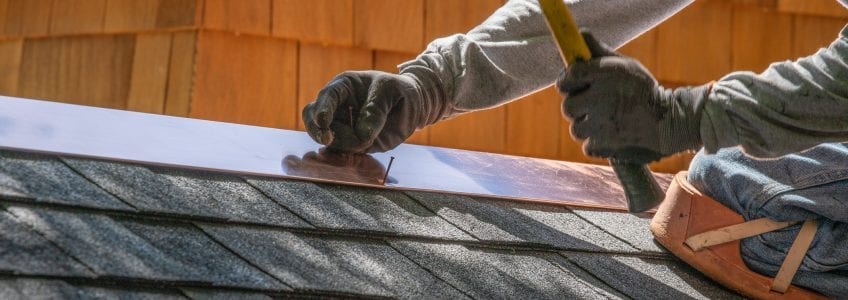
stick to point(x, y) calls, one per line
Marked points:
point(709, 173)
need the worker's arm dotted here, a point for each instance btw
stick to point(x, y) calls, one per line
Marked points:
point(790, 107)
point(620, 110)
point(509, 55)
point(512, 54)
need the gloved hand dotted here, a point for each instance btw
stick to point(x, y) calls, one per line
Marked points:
point(620, 111)
point(370, 111)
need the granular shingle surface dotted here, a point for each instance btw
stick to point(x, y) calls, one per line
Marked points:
point(490, 274)
point(25, 251)
point(43, 178)
point(628, 227)
point(352, 208)
point(80, 228)
point(645, 278)
point(23, 288)
point(309, 262)
point(186, 192)
point(499, 220)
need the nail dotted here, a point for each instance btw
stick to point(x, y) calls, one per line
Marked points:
point(386, 176)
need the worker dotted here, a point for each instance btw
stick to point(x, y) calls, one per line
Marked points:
point(618, 109)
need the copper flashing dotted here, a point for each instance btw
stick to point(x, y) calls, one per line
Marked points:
point(73, 130)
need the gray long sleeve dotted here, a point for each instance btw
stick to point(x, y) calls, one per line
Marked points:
point(790, 107)
point(512, 53)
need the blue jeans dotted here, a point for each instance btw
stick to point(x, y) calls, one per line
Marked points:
point(811, 184)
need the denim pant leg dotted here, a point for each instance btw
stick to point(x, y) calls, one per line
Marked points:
point(811, 184)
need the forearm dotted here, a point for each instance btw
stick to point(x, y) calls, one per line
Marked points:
point(512, 54)
point(788, 108)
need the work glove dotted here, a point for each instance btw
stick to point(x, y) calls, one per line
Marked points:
point(371, 111)
point(617, 108)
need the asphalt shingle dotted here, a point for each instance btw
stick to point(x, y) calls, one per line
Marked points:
point(24, 288)
point(634, 229)
point(342, 265)
point(199, 294)
point(203, 235)
point(353, 208)
point(495, 274)
point(44, 178)
point(186, 192)
point(144, 250)
point(24, 251)
point(509, 221)
point(643, 278)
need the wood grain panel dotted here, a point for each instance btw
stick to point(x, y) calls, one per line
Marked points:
point(673, 164)
point(247, 16)
point(149, 80)
point(812, 7)
point(133, 15)
point(181, 73)
point(4, 8)
point(178, 13)
point(481, 131)
point(389, 25)
point(387, 62)
point(533, 124)
point(27, 17)
point(88, 70)
point(245, 79)
point(77, 16)
point(762, 4)
point(812, 33)
point(692, 45)
point(318, 64)
point(125, 15)
point(760, 37)
point(643, 48)
point(10, 66)
point(320, 21)
point(446, 17)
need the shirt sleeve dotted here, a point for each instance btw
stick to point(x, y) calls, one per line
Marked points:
point(512, 53)
point(790, 107)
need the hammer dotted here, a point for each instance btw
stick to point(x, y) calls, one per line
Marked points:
point(640, 187)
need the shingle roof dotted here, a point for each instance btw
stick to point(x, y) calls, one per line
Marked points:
point(80, 228)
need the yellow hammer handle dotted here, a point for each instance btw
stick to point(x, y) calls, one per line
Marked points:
point(566, 34)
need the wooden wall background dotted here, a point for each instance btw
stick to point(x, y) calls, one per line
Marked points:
point(259, 61)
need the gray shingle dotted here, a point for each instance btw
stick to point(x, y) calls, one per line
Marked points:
point(492, 274)
point(642, 278)
point(23, 288)
point(47, 179)
point(509, 221)
point(186, 192)
point(222, 295)
point(635, 229)
point(24, 251)
point(141, 250)
point(343, 207)
point(332, 264)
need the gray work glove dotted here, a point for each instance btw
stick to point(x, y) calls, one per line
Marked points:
point(371, 111)
point(620, 111)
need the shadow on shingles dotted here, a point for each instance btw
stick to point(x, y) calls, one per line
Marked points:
point(562, 263)
point(503, 216)
point(693, 277)
point(649, 278)
point(400, 200)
